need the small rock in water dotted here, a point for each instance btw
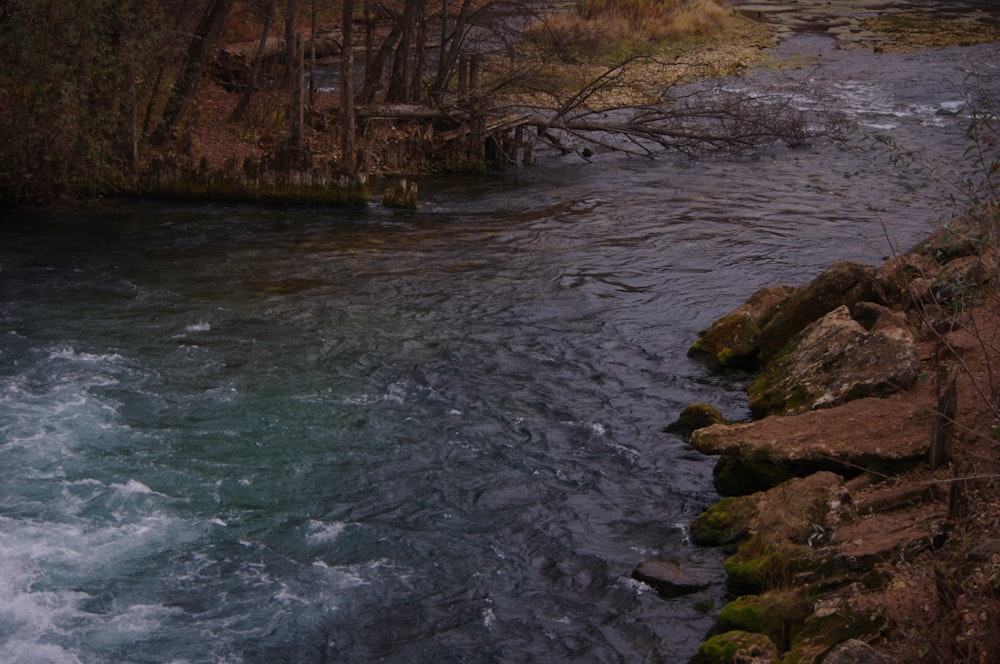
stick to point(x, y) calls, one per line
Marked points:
point(671, 579)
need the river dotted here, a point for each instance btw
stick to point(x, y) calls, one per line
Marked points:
point(235, 434)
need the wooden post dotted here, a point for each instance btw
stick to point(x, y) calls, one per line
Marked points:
point(943, 432)
point(958, 497)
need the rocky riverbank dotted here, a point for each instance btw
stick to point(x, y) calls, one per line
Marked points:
point(862, 504)
point(860, 512)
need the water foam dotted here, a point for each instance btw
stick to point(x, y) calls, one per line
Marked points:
point(200, 326)
point(321, 532)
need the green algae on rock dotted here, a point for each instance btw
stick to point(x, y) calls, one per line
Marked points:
point(733, 340)
point(694, 417)
point(725, 648)
point(835, 360)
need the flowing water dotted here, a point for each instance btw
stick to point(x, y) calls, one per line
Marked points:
point(234, 434)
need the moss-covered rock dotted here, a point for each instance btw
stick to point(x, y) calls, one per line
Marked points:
point(845, 283)
point(764, 562)
point(792, 511)
point(732, 341)
point(832, 361)
point(733, 478)
point(779, 614)
point(833, 621)
point(724, 524)
point(733, 646)
point(770, 532)
point(694, 417)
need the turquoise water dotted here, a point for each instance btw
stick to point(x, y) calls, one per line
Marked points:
point(233, 434)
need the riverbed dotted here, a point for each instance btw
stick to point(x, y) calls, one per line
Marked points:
point(243, 434)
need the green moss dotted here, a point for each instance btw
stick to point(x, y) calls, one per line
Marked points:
point(761, 463)
point(767, 399)
point(696, 416)
point(728, 343)
point(733, 478)
point(723, 524)
point(762, 563)
point(798, 398)
point(832, 625)
point(745, 576)
point(745, 613)
point(724, 648)
point(780, 615)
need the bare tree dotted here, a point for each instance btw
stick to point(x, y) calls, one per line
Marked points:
point(347, 119)
point(195, 62)
point(258, 59)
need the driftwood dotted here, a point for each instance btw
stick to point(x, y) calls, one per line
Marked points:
point(724, 124)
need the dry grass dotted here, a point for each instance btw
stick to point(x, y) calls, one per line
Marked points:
point(602, 30)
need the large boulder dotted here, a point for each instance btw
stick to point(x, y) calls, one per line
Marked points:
point(845, 283)
point(732, 341)
point(779, 614)
point(695, 417)
point(780, 525)
point(673, 579)
point(855, 651)
point(835, 619)
point(835, 360)
point(789, 510)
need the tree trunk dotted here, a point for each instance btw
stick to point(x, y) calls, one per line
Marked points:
point(290, 54)
point(244, 101)
point(374, 65)
point(403, 62)
point(347, 120)
point(296, 104)
point(193, 67)
point(312, 57)
point(419, 58)
point(451, 47)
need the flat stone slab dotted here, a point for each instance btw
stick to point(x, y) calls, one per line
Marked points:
point(673, 579)
point(861, 545)
point(859, 434)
